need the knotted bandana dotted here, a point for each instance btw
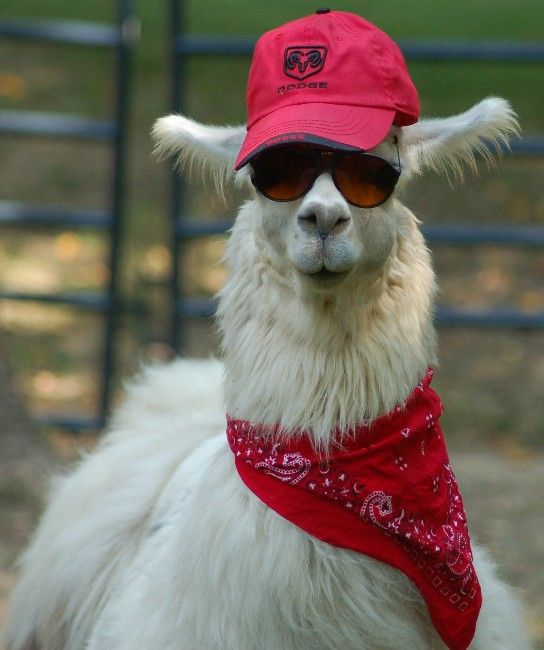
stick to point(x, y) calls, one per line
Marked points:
point(386, 491)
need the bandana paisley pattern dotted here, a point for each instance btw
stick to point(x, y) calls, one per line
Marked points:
point(399, 500)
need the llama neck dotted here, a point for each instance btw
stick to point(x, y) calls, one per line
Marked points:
point(318, 363)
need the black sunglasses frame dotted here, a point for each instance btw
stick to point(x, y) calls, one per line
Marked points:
point(326, 161)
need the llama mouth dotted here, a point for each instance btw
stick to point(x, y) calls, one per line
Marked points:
point(326, 277)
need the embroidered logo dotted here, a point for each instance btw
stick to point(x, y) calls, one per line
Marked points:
point(301, 61)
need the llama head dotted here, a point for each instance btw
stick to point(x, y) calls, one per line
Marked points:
point(319, 243)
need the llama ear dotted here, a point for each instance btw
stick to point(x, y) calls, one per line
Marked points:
point(446, 144)
point(208, 149)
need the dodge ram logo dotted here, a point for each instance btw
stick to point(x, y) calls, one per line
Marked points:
point(303, 61)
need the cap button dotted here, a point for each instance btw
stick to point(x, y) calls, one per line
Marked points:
point(322, 11)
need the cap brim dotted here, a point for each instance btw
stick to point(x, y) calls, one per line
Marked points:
point(358, 127)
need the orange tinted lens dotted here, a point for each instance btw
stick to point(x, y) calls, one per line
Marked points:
point(365, 181)
point(284, 174)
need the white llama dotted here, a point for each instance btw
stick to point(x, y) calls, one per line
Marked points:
point(154, 542)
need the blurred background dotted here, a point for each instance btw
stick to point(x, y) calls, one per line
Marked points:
point(51, 355)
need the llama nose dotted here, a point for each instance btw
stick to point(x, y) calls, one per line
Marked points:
point(322, 224)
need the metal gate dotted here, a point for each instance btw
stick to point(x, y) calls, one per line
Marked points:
point(183, 46)
point(119, 37)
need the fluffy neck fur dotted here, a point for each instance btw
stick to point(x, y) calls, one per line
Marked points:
point(318, 362)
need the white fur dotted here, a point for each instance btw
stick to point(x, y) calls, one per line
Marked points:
point(448, 144)
point(154, 542)
point(209, 150)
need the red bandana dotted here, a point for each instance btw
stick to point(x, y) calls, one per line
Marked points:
point(389, 493)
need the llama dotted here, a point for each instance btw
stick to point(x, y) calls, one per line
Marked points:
point(326, 323)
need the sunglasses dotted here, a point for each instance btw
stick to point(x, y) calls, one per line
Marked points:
point(287, 173)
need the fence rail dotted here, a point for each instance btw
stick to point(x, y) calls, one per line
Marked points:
point(57, 125)
point(88, 301)
point(70, 32)
point(18, 213)
point(429, 51)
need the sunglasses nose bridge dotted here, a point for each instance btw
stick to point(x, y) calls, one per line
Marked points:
point(324, 210)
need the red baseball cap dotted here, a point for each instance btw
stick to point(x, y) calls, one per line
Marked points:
point(331, 78)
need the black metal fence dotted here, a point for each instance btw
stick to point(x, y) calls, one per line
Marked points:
point(118, 37)
point(183, 46)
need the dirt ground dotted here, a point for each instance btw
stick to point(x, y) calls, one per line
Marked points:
point(505, 506)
